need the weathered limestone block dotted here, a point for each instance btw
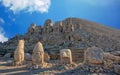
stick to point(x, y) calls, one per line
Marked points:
point(66, 56)
point(115, 59)
point(108, 64)
point(19, 53)
point(38, 55)
point(93, 56)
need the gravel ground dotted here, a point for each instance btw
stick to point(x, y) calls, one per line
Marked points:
point(53, 68)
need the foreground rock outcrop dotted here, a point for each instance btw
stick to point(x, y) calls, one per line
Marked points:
point(110, 60)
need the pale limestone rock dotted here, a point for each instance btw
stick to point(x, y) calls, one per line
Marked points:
point(19, 53)
point(38, 55)
point(110, 59)
point(66, 56)
point(115, 59)
point(108, 64)
point(93, 55)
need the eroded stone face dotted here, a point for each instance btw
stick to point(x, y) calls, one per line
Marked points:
point(19, 53)
point(93, 55)
point(38, 55)
point(66, 56)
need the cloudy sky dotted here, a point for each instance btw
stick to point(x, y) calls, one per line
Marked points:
point(17, 15)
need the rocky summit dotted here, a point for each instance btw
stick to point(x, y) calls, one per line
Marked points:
point(72, 33)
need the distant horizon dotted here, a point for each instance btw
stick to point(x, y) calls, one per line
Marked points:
point(17, 15)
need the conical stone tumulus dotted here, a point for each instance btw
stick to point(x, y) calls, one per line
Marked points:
point(19, 53)
point(38, 55)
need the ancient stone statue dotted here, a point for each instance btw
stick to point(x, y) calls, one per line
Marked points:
point(93, 55)
point(66, 56)
point(19, 53)
point(38, 55)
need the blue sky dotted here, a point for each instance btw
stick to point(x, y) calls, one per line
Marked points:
point(17, 15)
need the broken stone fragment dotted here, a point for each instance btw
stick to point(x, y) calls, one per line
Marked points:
point(115, 59)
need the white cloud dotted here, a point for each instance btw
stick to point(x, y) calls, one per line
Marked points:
point(2, 35)
point(27, 5)
point(1, 21)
